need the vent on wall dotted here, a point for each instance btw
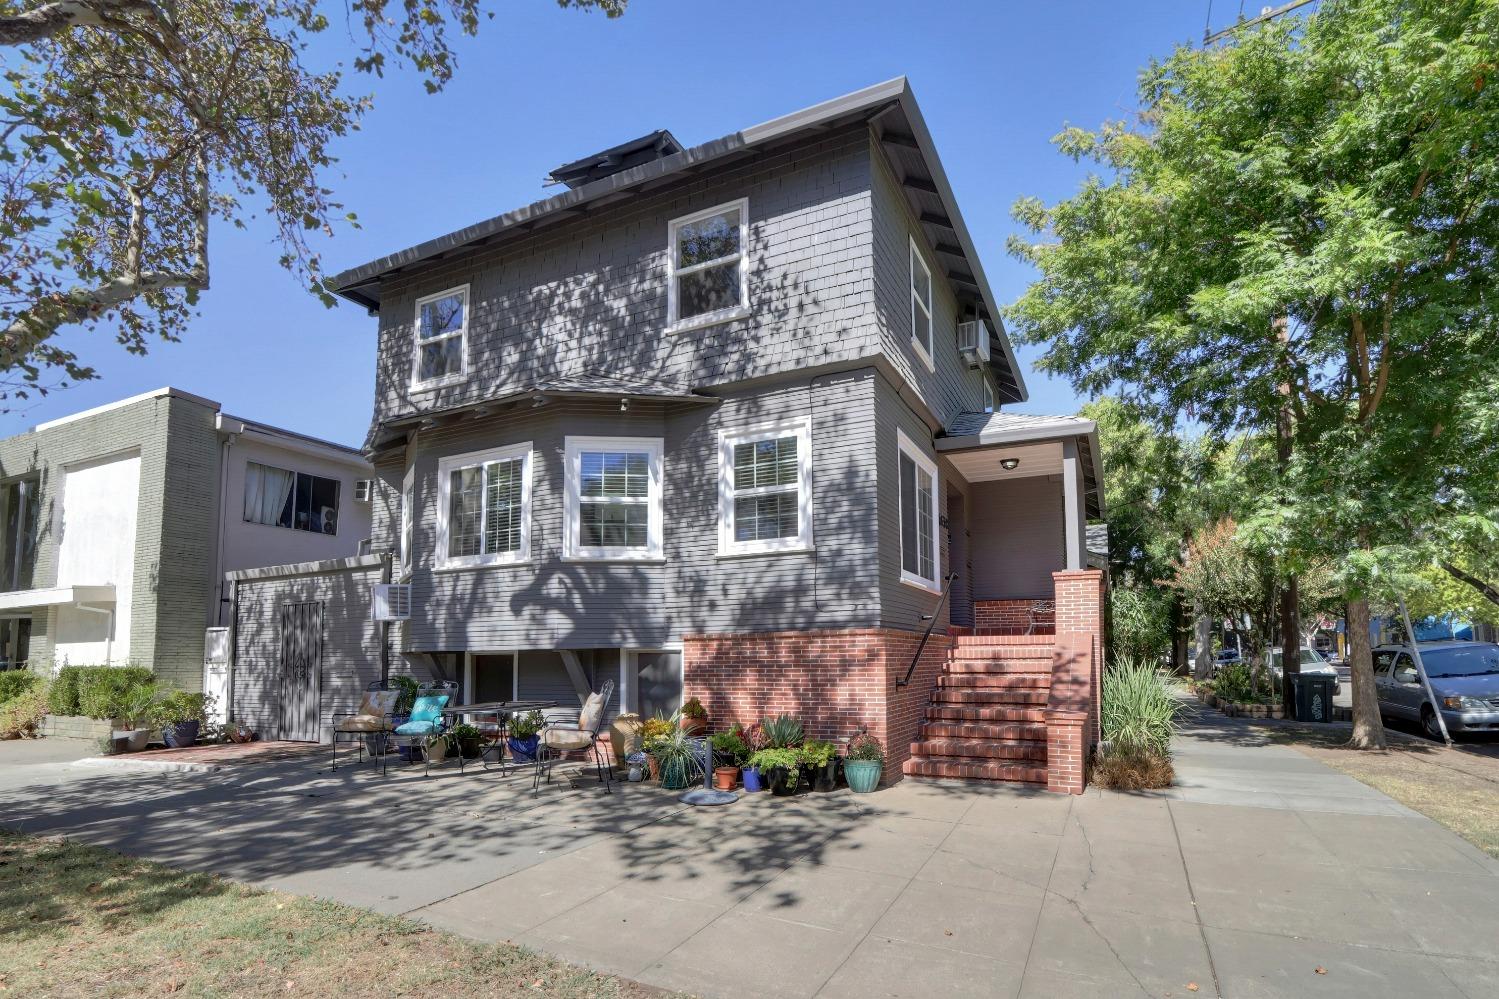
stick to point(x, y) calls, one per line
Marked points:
point(363, 490)
point(391, 602)
point(973, 342)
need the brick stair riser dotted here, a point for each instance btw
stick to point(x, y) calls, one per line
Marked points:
point(995, 681)
point(980, 750)
point(1010, 731)
point(960, 667)
point(984, 713)
point(1013, 697)
point(1005, 638)
point(1039, 654)
point(930, 766)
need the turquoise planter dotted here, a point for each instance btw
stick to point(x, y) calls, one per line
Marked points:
point(863, 775)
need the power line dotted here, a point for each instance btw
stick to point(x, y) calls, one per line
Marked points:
point(1265, 14)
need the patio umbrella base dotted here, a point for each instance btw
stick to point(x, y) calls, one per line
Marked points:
point(704, 796)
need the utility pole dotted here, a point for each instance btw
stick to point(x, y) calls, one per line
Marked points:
point(1265, 14)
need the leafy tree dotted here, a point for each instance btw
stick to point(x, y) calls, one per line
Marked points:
point(128, 126)
point(1296, 237)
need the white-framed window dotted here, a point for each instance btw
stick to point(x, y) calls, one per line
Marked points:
point(765, 488)
point(918, 515)
point(484, 507)
point(921, 306)
point(988, 397)
point(408, 522)
point(612, 502)
point(440, 352)
point(707, 280)
point(278, 497)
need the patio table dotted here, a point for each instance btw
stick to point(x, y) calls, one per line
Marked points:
point(498, 715)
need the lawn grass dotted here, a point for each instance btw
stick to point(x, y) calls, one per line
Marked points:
point(77, 920)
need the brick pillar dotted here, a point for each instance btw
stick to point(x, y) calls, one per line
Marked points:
point(1066, 751)
point(1079, 595)
point(1072, 710)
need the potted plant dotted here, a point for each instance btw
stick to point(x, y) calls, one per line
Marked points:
point(183, 714)
point(137, 711)
point(236, 731)
point(780, 767)
point(653, 731)
point(783, 732)
point(694, 717)
point(863, 762)
point(525, 736)
point(754, 740)
point(676, 755)
point(729, 753)
point(820, 765)
point(467, 738)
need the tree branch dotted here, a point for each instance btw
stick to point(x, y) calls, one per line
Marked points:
point(1490, 592)
point(53, 18)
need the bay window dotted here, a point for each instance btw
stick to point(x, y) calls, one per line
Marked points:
point(484, 507)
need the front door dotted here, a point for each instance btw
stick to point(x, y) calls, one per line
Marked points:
point(301, 669)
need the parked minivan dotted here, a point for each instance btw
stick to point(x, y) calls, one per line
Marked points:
point(1464, 677)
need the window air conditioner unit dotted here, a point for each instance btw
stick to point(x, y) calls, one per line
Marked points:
point(391, 602)
point(216, 646)
point(364, 489)
point(973, 342)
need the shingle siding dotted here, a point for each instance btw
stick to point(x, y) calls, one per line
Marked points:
point(591, 295)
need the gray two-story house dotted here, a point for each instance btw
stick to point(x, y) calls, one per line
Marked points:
point(725, 422)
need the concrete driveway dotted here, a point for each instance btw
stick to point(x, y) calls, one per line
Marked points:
point(1260, 868)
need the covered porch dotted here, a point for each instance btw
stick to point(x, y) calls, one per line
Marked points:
point(1027, 488)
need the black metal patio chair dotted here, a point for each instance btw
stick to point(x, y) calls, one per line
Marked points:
point(557, 739)
point(372, 724)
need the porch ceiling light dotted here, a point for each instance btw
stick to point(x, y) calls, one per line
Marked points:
point(1009, 464)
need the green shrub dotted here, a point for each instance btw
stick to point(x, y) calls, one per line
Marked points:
point(102, 690)
point(1139, 708)
point(1234, 682)
point(185, 706)
point(1140, 620)
point(20, 715)
point(63, 698)
point(783, 731)
point(15, 682)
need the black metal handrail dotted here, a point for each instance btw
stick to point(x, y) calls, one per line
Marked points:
point(936, 613)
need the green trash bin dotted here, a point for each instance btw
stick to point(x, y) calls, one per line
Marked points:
point(1313, 697)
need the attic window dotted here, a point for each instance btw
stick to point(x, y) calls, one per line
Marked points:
point(441, 334)
point(706, 274)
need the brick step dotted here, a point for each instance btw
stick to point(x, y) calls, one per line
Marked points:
point(1013, 696)
point(981, 750)
point(982, 730)
point(984, 713)
point(994, 681)
point(996, 637)
point(1003, 652)
point(940, 766)
point(998, 666)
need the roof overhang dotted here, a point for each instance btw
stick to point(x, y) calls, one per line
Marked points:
point(54, 596)
point(891, 111)
point(1083, 432)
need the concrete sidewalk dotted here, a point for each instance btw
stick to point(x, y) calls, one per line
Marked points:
point(1261, 867)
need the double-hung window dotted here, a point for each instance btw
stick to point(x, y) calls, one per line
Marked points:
point(612, 504)
point(441, 339)
point(707, 280)
point(918, 516)
point(921, 307)
point(988, 397)
point(764, 488)
point(278, 497)
point(484, 507)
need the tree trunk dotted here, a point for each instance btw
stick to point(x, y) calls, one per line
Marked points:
point(1368, 729)
point(1202, 666)
point(1178, 636)
point(1290, 645)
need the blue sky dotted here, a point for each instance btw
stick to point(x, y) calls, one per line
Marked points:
point(541, 86)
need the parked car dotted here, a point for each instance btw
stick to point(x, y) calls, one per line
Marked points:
point(1312, 663)
point(1226, 657)
point(1464, 678)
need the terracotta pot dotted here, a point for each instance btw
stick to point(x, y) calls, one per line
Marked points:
point(724, 778)
point(694, 726)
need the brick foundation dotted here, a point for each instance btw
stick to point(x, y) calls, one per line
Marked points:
point(833, 680)
point(1012, 616)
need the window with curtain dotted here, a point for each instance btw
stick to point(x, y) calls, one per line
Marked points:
point(278, 497)
point(484, 502)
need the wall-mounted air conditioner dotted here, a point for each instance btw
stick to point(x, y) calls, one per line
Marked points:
point(973, 342)
point(391, 602)
point(364, 489)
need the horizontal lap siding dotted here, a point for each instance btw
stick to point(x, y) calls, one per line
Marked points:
point(590, 295)
point(903, 605)
point(350, 644)
point(1018, 537)
point(557, 604)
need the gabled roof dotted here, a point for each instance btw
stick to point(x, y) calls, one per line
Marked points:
point(984, 430)
point(890, 109)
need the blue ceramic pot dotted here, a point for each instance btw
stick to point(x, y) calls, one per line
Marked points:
point(523, 749)
point(863, 775)
point(180, 735)
point(752, 780)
